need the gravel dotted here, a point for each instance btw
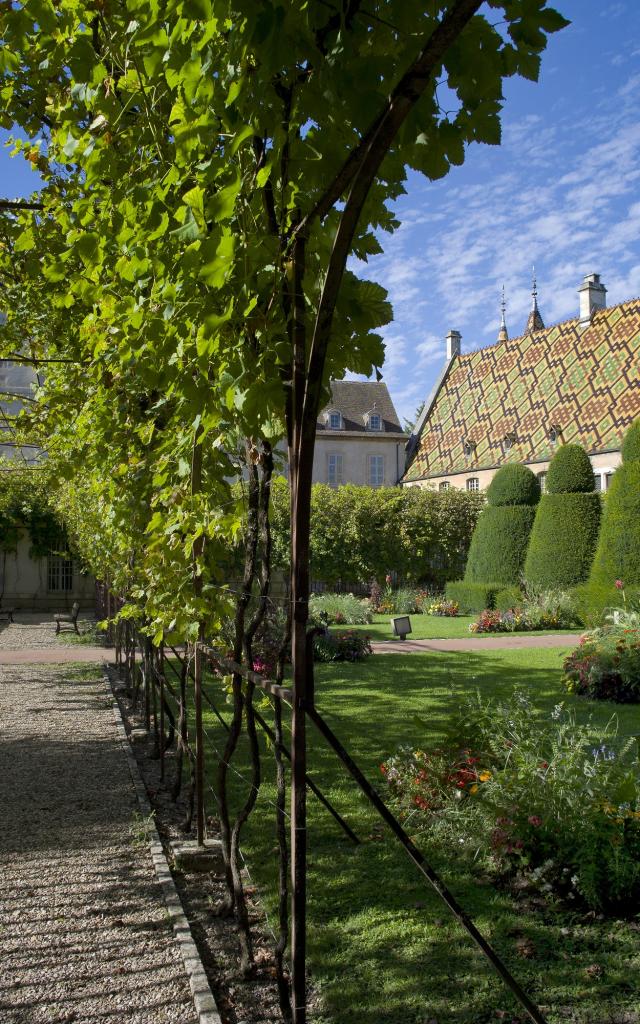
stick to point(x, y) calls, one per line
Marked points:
point(84, 935)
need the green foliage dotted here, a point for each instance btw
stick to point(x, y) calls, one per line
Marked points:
point(513, 484)
point(27, 506)
point(168, 291)
point(472, 597)
point(362, 533)
point(618, 552)
point(631, 443)
point(563, 539)
point(507, 598)
point(499, 544)
point(593, 601)
point(606, 665)
point(349, 646)
point(570, 471)
point(339, 609)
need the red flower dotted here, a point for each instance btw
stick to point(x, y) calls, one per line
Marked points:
point(619, 585)
point(534, 820)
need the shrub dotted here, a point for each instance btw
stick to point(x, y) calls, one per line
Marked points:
point(339, 609)
point(349, 646)
point(565, 532)
point(593, 602)
point(531, 795)
point(508, 598)
point(449, 609)
point(499, 542)
point(513, 485)
point(471, 597)
point(570, 471)
point(606, 665)
point(618, 551)
point(547, 610)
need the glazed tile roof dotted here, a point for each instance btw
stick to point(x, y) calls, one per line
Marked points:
point(584, 381)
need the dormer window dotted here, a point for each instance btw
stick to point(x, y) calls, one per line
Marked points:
point(375, 422)
point(508, 442)
point(469, 448)
point(555, 433)
point(335, 420)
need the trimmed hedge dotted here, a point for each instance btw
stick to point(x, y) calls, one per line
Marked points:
point(618, 552)
point(592, 600)
point(570, 471)
point(508, 598)
point(563, 540)
point(513, 485)
point(499, 544)
point(471, 597)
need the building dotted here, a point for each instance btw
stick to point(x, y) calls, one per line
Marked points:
point(517, 400)
point(30, 583)
point(359, 439)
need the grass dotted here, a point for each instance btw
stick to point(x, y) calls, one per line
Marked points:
point(383, 948)
point(90, 635)
point(435, 627)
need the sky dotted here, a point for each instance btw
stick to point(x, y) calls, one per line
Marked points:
point(562, 193)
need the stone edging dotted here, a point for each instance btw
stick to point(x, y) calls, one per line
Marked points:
point(203, 999)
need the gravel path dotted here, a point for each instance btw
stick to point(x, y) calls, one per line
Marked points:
point(84, 935)
point(481, 643)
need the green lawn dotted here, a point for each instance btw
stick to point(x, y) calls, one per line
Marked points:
point(383, 948)
point(432, 627)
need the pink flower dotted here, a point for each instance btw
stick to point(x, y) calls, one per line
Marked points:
point(387, 579)
point(619, 585)
point(534, 820)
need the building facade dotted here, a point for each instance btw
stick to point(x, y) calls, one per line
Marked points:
point(359, 439)
point(517, 400)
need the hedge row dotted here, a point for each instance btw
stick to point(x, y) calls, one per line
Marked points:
point(362, 533)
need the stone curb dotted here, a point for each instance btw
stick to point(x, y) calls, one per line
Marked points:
point(203, 999)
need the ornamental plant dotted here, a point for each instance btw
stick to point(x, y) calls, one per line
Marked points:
point(606, 665)
point(499, 543)
point(344, 646)
point(565, 532)
point(618, 552)
point(449, 609)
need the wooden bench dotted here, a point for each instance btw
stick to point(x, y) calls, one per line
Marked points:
point(71, 617)
point(7, 613)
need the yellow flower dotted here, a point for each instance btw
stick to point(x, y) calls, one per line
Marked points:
point(484, 776)
point(474, 788)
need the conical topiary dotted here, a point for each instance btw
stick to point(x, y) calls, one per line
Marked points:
point(618, 552)
point(499, 542)
point(565, 532)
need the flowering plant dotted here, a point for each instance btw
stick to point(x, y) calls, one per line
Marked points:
point(348, 646)
point(444, 607)
point(606, 665)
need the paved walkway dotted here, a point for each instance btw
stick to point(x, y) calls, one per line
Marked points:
point(32, 640)
point(502, 641)
point(84, 934)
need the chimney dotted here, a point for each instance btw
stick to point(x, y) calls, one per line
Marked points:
point(454, 339)
point(593, 295)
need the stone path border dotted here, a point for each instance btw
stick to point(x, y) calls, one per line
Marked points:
point(504, 642)
point(203, 999)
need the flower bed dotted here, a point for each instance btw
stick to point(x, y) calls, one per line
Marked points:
point(449, 609)
point(533, 799)
point(545, 610)
point(606, 665)
point(348, 646)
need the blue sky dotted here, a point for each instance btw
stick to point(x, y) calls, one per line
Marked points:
point(561, 192)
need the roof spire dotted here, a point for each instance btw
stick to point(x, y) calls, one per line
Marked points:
point(535, 321)
point(503, 334)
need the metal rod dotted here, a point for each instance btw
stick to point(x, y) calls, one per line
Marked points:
point(422, 865)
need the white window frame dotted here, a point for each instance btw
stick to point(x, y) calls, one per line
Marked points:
point(370, 462)
point(444, 485)
point(473, 484)
point(542, 480)
point(378, 418)
point(338, 466)
point(335, 413)
point(59, 574)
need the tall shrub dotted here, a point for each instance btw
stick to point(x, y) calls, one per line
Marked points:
point(499, 542)
point(618, 551)
point(565, 532)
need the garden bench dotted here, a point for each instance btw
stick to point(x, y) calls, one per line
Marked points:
point(7, 613)
point(70, 617)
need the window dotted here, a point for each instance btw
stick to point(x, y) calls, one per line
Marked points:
point(554, 434)
point(376, 470)
point(334, 470)
point(59, 573)
point(375, 423)
point(335, 421)
point(443, 486)
point(542, 480)
point(509, 441)
point(473, 483)
point(608, 476)
point(598, 480)
point(469, 448)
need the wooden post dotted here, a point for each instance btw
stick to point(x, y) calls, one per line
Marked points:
point(197, 704)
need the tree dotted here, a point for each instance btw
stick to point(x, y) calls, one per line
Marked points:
point(209, 168)
point(499, 543)
point(565, 531)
